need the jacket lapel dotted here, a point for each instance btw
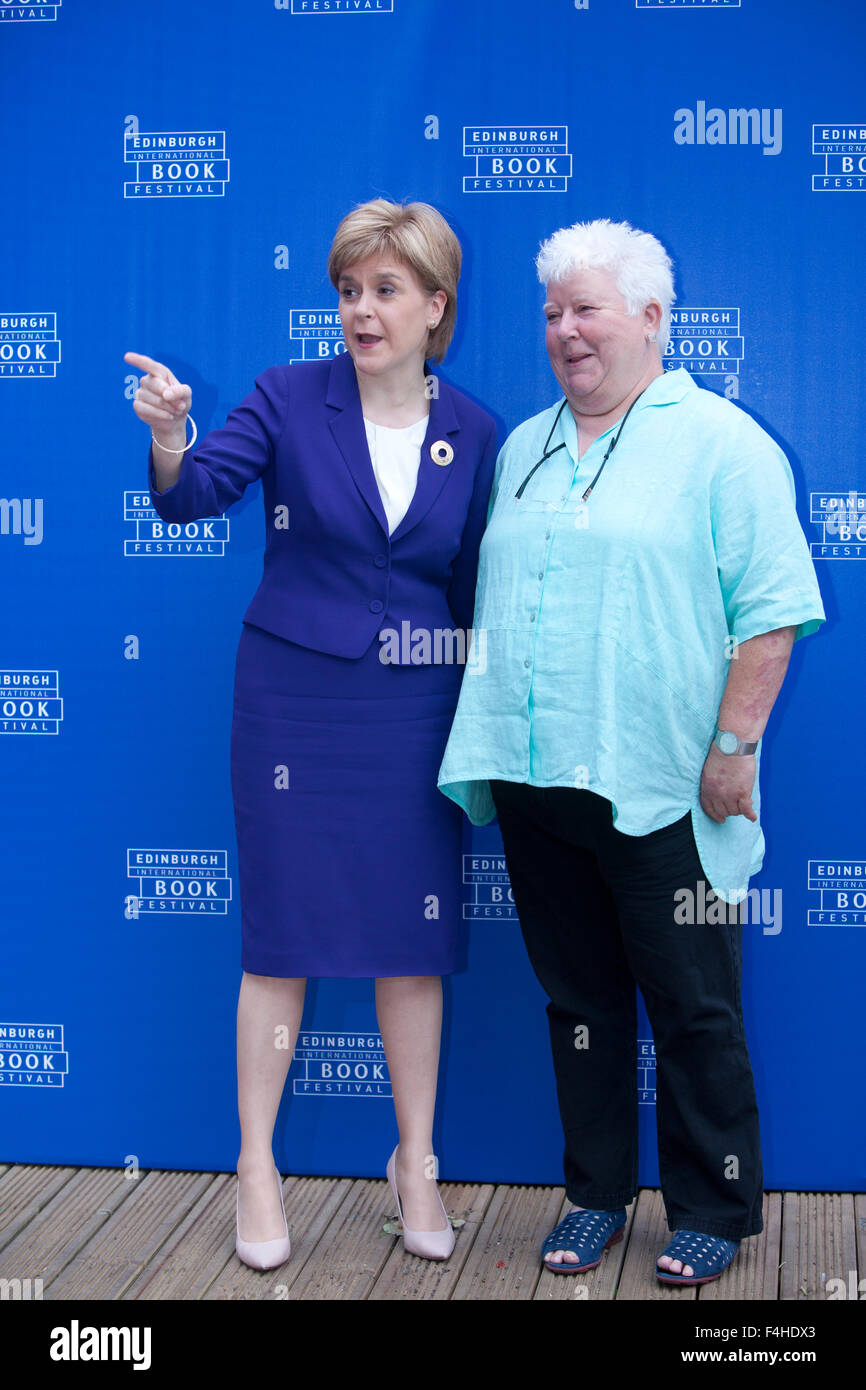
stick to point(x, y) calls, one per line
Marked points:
point(442, 427)
point(347, 427)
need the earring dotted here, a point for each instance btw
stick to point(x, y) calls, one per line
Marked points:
point(651, 338)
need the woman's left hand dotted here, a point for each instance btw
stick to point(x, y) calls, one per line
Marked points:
point(726, 785)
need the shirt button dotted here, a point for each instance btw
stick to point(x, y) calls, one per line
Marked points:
point(527, 662)
point(547, 536)
point(380, 561)
point(376, 606)
point(532, 617)
point(541, 574)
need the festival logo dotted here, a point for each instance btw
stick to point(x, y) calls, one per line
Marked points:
point(178, 880)
point(841, 518)
point(336, 6)
point(843, 149)
point(646, 1071)
point(319, 332)
point(153, 536)
point(175, 164)
point(841, 888)
point(33, 1054)
point(340, 1064)
point(29, 345)
point(707, 342)
point(30, 702)
point(517, 159)
point(687, 4)
point(490, 897)
point(29, 9)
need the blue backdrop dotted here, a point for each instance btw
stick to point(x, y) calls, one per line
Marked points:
point(171, 177)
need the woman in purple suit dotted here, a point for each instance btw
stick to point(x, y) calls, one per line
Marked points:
point(375, 479)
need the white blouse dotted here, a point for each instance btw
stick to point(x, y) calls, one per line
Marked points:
point(395, 455)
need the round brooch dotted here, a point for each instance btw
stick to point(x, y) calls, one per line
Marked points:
point(441, 452)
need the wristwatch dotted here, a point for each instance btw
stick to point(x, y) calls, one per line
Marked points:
point(729, 743)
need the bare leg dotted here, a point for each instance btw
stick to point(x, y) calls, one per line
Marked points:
point(269, 1016)
point(409, 1010)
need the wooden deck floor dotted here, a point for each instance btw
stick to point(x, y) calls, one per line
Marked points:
point(94, 1234)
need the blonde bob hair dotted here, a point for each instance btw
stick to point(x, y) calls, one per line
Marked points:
point(416, 235)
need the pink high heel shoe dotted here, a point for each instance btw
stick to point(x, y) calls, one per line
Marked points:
point(430, 1245)
point(263, 1254)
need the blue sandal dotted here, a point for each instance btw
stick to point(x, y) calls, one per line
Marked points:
point(586, 1234)
point(709, 1257)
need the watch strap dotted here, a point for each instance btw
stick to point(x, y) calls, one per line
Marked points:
point(732, 745)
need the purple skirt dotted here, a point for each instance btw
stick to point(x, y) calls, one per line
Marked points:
point(349, 857)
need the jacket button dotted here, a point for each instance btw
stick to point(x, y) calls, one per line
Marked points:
point(376, 606)
point(380, 561)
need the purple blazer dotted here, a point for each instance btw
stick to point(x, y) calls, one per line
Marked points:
point(334, 577)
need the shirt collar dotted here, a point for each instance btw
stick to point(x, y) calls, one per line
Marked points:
point(667, 389)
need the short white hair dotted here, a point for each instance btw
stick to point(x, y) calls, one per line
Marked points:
point(641, 266)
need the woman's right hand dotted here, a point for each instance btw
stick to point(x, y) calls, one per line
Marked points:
point(161, 401)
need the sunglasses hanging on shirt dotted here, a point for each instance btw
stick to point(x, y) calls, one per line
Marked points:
point(545, 455)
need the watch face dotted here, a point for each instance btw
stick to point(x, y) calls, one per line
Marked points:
point(728, 742)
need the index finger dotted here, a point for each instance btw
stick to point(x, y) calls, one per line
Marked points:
point(147, 364)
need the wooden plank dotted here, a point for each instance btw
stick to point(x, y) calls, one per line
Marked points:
point(195, 1251)
point(842, 1233)
point(115, 1255)
point(352, 1249)
point(860, 1233)
point(597, 1284)
point(311, 1206)
point(848, 1229)
point(754, 1274)
point(505, 1259)
point(93, 1233)
point(789, 1264)
point(818, 1242)
point(24, 1190)
point(410, 1277)
point(649, 1236)
point(65, 1224)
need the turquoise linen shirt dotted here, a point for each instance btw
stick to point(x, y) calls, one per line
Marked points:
point(604, 630)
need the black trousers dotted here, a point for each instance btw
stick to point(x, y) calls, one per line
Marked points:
point(598, 913)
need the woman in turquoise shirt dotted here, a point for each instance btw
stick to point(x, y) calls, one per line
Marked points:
point(641, 582)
